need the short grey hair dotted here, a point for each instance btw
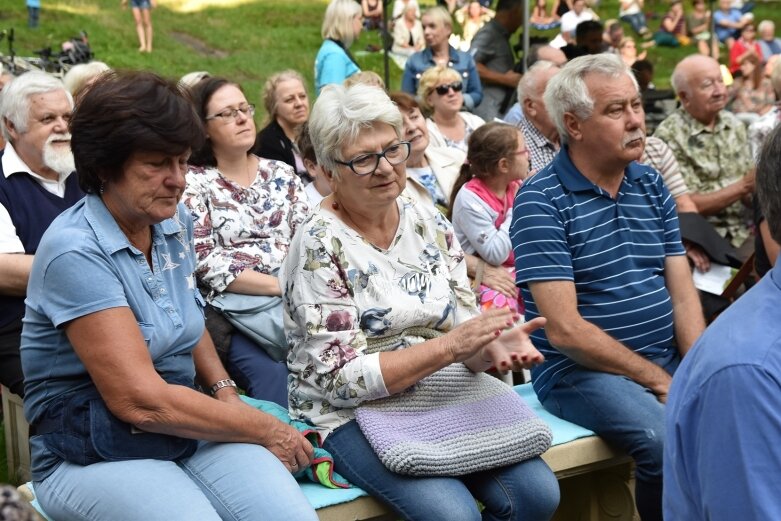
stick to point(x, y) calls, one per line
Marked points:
point(530, 81)
point(764, 24)
point(338, 21)
point(567, 90)
point(769, 182)
point(80, 75)
point(15, 99)
point(680, 77)
point(341, 113)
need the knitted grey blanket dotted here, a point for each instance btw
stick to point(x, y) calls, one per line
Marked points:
point(451, 423)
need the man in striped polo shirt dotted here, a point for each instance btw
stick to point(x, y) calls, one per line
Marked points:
point(598, 253)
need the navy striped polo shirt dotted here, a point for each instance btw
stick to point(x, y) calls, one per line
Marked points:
point(567, 228)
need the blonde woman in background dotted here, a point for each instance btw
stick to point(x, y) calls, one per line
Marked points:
point(287, 105)
point(341, 27)
point(441, 95)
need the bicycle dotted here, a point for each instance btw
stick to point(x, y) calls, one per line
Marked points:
point(74, 51)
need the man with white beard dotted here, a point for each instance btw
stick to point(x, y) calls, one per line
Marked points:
point(598, 253)
point(37, 183)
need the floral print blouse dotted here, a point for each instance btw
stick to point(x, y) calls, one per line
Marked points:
point(339, 290)
point(239, 228)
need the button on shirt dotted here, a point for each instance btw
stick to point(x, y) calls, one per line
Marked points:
point(567, 228)
point(85, 264)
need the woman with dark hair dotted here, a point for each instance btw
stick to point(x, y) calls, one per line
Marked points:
point(751, 95)
point(287, 106)
point(114, 340)
point(246, 210)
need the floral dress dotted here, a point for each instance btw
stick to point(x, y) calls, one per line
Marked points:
point(239, 228)
point(339, 290)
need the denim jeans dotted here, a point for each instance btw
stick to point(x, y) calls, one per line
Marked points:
point(257, 373)
point(637, 21)
point(228, 481)
point(523, 491)
point(626, 415)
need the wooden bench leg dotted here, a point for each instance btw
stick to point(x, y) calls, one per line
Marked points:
point(604, 495)
point(17, 444)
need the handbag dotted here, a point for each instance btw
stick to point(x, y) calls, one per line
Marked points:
point(79, 428)
point(451, 423)
point(257, 316)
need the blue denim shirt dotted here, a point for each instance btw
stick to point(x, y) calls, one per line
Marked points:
point(86, 264)
point(461, 61)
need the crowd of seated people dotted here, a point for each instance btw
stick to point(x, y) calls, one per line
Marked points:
point(284, 262)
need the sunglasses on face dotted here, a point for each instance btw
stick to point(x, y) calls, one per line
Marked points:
point(444, 89)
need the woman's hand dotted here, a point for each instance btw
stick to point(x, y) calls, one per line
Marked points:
point(513, 349)
point(290, 446)
point(469, 337)
point(498, 278)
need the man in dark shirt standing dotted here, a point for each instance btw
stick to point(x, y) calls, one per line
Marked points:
point(495, 60)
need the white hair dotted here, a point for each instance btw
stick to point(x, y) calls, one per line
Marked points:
point(680, 77)
point(80, 75)
point(340, 114)
point(530, 82)
point(15, 100)
point(567, 90)
point(766, 24)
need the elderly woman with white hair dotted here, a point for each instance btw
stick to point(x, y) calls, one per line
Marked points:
point(342, 25)
point(384, 331)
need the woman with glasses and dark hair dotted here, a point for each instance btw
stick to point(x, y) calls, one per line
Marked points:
point(441, 96)
point(246, 210)
point(376, 299)
point(114, 340)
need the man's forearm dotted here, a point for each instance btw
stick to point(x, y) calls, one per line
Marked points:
point(14, 273)
point(714, 202)
point(589, 346)
point(505, 79)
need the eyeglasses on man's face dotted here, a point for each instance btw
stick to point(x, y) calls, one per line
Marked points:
point(229, 114)
point(366, 164)
point(444, 89)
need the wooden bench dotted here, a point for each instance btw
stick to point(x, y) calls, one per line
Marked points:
point(596, 481)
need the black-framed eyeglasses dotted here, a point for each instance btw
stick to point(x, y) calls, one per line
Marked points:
point(444, 89)
point(366, 164)
point(229, 114)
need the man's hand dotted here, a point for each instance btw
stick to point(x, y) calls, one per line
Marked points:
point(697, 256)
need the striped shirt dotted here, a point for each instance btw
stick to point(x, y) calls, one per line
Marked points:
point(660, 157)
point(567, 228)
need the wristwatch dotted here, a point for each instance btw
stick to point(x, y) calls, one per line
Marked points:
point(223, 383)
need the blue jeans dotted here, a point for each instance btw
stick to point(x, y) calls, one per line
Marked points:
point(637, 21)
point(523, 491)
point(257, 373)
point(625, 415)
point(221, 481)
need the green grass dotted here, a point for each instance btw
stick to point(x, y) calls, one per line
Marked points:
point(255, 38)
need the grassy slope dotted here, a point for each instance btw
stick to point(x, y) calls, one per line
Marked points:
point(257, 37)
